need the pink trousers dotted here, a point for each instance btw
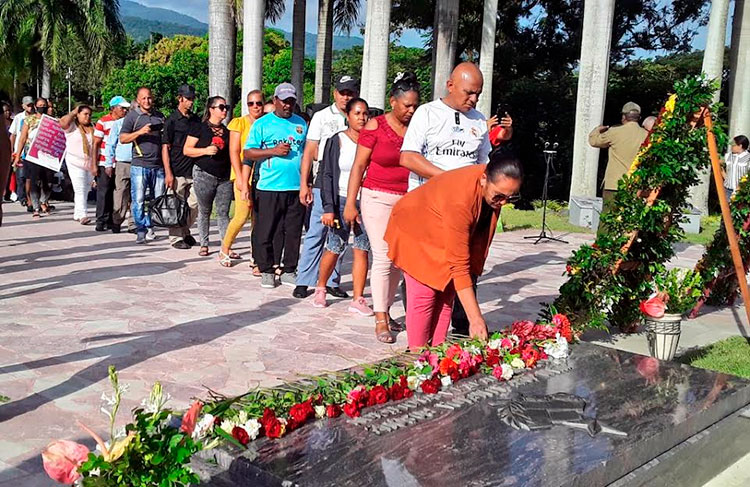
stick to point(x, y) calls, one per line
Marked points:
point(428, 313)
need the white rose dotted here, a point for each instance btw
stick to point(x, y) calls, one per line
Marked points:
point(320, 411)
point(227, 426)
point(252, 427)
point(517, 363)
point(494, 344)
point(204, 426)
point(446, 381)
point(557, 349)
point(413, 382)
point(507, 371)
point(242, 417)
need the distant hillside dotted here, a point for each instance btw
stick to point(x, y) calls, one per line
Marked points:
point(140, 21)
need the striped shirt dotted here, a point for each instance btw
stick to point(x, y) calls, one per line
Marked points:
point(737, 167)
point(101, 130)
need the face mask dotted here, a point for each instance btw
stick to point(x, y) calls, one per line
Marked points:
point(41, 110)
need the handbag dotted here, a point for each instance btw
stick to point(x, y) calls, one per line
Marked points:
point(169, 210)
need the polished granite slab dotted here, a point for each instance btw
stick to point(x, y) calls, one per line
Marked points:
point(459, 437)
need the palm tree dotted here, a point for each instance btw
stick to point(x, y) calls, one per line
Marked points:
point(375, 54)
point(487, 55)
point(298, 49)
point(445, 38)
point(342, 14)
point(95, 22)
point(222, 47)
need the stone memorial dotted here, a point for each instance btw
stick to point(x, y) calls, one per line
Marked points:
point(600, 416)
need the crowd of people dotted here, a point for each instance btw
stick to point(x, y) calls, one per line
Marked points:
point(419, 187)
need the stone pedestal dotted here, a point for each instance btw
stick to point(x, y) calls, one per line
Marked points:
point(585, 212)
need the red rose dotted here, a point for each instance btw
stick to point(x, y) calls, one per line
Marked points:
point(464, 369)
point(300, 412)
point(380, 394)
point(543, 332)
point(478, 359)
point(431, 386)
point(268, 415)
point(292, 424)
point(493, 358)
point(239, 434)
point(530, 356)
point(396, 392)
point(351, 409)
point(447, 366)
point(333, 410)
point(403, 382)
point(370, 401)
point(522, 329)
point(563, 324)
point(218, 142)
point(453, 350)
point(273, 428)
point(408, 393)
point(455, 376)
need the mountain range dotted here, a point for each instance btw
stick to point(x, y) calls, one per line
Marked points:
point(140, 21)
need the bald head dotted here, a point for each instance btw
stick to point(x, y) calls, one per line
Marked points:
point(648, 123)
point(464, 87)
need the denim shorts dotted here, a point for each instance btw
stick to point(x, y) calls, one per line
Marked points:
point(338, 238)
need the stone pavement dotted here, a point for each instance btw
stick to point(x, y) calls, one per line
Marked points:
point(75, 301)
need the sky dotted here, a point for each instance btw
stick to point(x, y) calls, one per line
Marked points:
point(410, 38)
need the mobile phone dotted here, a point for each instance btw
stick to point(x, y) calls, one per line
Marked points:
point(156, 127)
point(501, 111)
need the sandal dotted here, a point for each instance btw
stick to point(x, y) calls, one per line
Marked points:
point(235, 256)
point(36, 215)
point(384, 336)
point(256, 271)
point(84, 221)
point(395, 326)
point(203, 252)
point(224, 259)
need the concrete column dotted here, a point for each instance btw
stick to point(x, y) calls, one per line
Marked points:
point(592, 91)
point(713, 66)
point(253, 21)
point(487, 55)
point(444, 45)
point(739, 80)
point(377, 40)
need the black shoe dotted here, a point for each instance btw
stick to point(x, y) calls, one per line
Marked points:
point(300, 292)
point(116, 229)
point(189, 240)
point(336, 292)
point(182, 245)
point(132, 230)
point(100, 228)
point(30, 209)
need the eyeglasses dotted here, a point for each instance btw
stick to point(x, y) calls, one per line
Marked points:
point(256, 103)
point(221, 107)
point(504, 198)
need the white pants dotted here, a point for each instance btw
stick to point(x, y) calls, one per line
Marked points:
point(81, 179)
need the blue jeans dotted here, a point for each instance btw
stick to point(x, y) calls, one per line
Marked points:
point(338, 238)
point(21, 183)
point(143, 180)
point(312, 249)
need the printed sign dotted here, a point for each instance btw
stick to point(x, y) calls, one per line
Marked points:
point(48, 147)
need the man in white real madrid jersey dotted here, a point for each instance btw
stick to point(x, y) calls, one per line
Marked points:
point(445, 134)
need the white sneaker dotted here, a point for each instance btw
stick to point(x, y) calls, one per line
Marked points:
point(150, 235)
point(13, 197)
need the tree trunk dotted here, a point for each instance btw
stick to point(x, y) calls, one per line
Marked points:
point(365, 75)
point(487, 55)
point(377, 35)
point(298, 50)
point(46, 79)
point(222, 39)
point(253, 18)
point(445, 39)
point(739, 81)
point(324, 52)
point(593, 73)
point(713, 66)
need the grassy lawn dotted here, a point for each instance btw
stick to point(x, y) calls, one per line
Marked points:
point(515, 219)
point(731, 356)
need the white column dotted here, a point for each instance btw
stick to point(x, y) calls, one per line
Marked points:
point(593, 73)
point(444, 46)
point(739, 80)
point(713, 66)
point(377, 40)
point(487, 55)
point(253, 21)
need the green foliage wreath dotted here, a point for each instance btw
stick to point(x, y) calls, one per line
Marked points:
point(669, 161)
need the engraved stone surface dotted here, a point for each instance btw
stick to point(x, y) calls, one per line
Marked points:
point(656, 404)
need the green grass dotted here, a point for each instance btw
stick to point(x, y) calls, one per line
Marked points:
point(4, 398)
point(731, 356)
point(515, 219)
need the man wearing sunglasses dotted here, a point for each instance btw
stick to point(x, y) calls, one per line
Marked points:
point(440, 235)
point(178, 168)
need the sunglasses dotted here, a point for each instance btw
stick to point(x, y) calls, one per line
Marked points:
point(221, 107)
point(256, 103)
point(504, 198)
point(44, 107)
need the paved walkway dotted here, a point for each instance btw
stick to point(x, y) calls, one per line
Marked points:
point(75, 301)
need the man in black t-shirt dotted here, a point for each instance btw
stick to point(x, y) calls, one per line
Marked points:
point(178, 166)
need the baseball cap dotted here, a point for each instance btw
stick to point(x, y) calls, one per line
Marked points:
point(27, 100)
point(186, 91)
point(285, 91)
point(631, 107)
point(118, 101)
point(347, 83)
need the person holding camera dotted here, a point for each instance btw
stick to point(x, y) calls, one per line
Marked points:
point(142, 127)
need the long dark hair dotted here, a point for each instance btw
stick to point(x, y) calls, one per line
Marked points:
point(83, 107)
point(404, 83)
point(209, 103)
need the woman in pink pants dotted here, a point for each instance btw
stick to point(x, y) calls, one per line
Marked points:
point(440, 234)
point(386, 182)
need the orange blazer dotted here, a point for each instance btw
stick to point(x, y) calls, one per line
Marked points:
point(432, 234)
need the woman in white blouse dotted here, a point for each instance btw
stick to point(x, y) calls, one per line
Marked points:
point(737, 164)
point(78, 149)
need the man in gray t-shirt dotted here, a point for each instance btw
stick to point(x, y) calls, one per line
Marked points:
point(142, 127)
